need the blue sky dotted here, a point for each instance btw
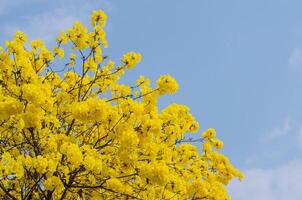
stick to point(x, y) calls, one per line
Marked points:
point(238, 63)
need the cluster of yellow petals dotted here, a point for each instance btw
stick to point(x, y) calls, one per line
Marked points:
point(167, 84)
point(131, 59)
point(78, 133)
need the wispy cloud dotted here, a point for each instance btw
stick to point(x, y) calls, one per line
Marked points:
point(280, 131)
point(273, 183)
point(6, 5)
point(45, 26)
point(295, 60)
point(48, 23)
point(283, 182)
point(299, 136)
point(289, 128)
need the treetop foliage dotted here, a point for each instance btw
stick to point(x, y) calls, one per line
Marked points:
point(70, 130)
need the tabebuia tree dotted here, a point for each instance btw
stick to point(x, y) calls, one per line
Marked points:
point(70, 130)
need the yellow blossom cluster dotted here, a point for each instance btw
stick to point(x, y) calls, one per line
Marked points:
point(71, 130)
point(131, 59)
point(166, 85)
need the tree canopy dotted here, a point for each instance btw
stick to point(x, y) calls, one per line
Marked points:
point(69, 129)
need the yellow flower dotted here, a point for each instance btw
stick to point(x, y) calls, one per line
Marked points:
point(98, 17)
point(36, 44)
point(90, 65)
point(166, 84)
point(208, 134)
point(59, 52)
point(218, 144)
point(20, 38)
point(83, 128)
point(72, 58)
point(131, 59)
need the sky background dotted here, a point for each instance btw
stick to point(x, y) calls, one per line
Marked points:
point(238, 64)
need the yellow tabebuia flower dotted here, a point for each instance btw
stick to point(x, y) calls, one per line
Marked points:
point(69, 129)
point(208, 134)
point(59, 52)
point(131, 59)
point(98, 17)
point(167, 85)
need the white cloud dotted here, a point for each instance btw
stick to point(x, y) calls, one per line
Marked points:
point(281, 183)
point(299, 136)
point(283, 130)
point(6, 5)
point(252, 160)
point(45, 26)
point(295, 59)
point(48, 24)
point(288, 128)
